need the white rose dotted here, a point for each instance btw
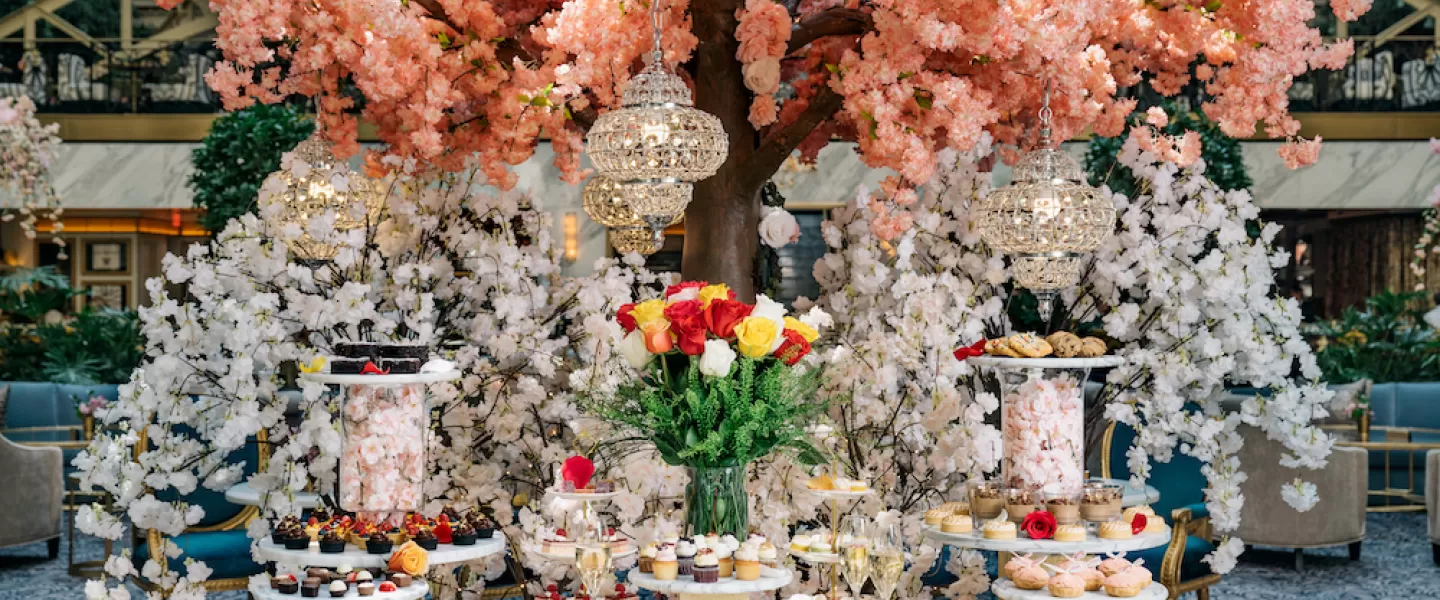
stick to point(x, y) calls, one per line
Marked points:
point(778, 227)
point(763, 76)
point(717, 358)
point(633, 349)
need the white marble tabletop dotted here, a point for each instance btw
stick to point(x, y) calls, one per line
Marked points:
point(1004, 589)
point(1091, 545)
point(446, 554)
point(415, 591)
point(244, 495)
point(770, 579)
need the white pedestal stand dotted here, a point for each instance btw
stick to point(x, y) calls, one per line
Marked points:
point(727, 588)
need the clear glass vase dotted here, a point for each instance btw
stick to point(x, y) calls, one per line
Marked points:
point(715, 501)
point(1042, 427)
point(382, 462)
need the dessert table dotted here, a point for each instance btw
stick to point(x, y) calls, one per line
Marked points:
point(260, 590)
point(446, 554)
point(1004, 589)
point(728, 588)
point(244, 495)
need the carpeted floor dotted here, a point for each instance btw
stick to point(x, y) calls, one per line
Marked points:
point(1395, 564)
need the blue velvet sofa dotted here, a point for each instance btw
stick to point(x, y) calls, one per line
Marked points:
point(41, 413)
point(1404, 405)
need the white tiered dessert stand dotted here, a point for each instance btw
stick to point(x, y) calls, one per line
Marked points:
point(536, 548)
point(728, 588)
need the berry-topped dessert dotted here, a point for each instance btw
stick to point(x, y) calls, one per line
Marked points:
point(425, 538)
point(285, 528)
point(483, 526)
point(462, 533)
point(556, 542)
point(378, 543)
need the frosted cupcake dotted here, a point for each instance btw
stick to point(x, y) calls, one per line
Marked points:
point(956, 524)
point(730, 542)
point(725, 559)
point(712, 541)
point(1000, 528)
point(707, 567)
point(768, 555)
point(685, 551)
point(747, 563)
point(1129, 582)
point(666, 565)
point(647, 557)
point(1066, 585)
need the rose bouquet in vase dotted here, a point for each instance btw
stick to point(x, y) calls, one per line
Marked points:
point(719, 383)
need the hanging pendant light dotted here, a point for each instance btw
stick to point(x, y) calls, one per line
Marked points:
point(608, 204)
point(322, 188)
point(657, 143)
point(1046, 218)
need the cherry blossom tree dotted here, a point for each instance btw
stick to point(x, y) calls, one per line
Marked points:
point(443, 80)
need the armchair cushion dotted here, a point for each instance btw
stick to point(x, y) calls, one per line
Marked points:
point(1432, 494)
point(1266, 520)
point(35, 514)
point(227, 552)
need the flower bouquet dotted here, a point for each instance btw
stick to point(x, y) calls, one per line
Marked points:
point(719, 383)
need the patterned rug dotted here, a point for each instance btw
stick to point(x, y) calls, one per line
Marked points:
point(1395, 564)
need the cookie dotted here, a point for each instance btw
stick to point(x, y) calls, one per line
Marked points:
point(999, 347)
point(1092, 347)
point(1029, 345)
point(1066, 344)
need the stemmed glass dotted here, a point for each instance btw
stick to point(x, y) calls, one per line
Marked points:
point(856, 548)
point(887, 559)
point(592, 552)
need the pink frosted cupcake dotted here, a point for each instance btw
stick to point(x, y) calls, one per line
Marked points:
point(1129, 582)
point(1112, 565)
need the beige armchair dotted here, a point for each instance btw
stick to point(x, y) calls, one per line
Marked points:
point(34, 514)
point(1338, 518)
point(1432, 499)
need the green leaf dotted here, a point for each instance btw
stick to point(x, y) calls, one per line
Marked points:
point(925, 99)
point(905, 75)
point(832, 68)
point(444, 39)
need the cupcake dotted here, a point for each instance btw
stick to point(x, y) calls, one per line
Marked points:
point(666, 565)
point(332, 541)
point(712, 540)
point(747, 563)
point(401, 579)
point(800, 543)
point(1112, 565)
point(366, 589)
point(1115, 530)
point(1017, 562)
point(707, 567)
point(647, 557)
point(1129, 582)
point(769, 556)
point(685, 553)
point(1000, 528)
point(730, 542)
point(1030, 577)
point(1066, 585)
point(725, 557)
point(1074, 532)
point(425, 538)
point(934, 516)
point(956, 524)
point(338, 589)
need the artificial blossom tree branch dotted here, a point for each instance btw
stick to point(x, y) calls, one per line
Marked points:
point(833, 21)
point(777, 146)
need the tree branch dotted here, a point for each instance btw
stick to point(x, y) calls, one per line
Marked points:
point(777, 146)
point(834, 21)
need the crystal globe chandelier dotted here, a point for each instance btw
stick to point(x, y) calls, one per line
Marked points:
point(1046, 218)
point(608, 204)
point(657, 143)
point(314, 194)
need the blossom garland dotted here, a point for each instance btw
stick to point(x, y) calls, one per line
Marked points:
point(763, 32)
point(28, 151)
point(1426, 244)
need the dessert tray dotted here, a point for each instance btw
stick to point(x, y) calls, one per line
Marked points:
point(415, 591)
point(770, 579)
point(1004, 589)
point(381, 380)
point(445, 554)
point(1091, 545)
point(1046, 363)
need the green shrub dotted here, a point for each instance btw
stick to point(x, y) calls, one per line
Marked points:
point(241, 149)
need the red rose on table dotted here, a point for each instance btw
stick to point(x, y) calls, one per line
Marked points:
point(687, 320)
point(624, 318)
point(1137, 524)
point(682, 286)
point(723, 315)
point(793, 348)
point(1039, 525)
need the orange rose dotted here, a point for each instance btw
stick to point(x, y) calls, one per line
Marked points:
point(410, 559)
point(657, 336)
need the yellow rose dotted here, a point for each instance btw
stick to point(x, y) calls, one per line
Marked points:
point(718, 291)
point(648, 311)
point(801, 328)
point(410, 559)
point(755, 336)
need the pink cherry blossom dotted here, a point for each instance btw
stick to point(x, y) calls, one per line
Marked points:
point(1300, 152)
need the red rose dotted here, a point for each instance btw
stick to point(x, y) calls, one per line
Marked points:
point(624, 317)
point(578, 470)
point(1137, 524)
point(723, 315)
point(793, 348)
point(442, 530)
point(976, 349)
point(682, 286)
point(687, 321)
point(1039, 525)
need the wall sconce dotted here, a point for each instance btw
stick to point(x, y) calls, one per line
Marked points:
point(571, 224)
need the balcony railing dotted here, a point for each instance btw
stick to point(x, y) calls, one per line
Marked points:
point(74, 77)
point(1401, 75)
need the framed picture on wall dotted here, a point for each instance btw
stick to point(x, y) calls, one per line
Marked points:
point(110, 257)
point(108, 295)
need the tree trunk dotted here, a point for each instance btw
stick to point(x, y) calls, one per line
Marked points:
point(721, 223)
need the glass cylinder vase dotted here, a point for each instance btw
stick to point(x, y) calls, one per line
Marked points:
point(716, 502)
point(382, 462)
point(1042, 427)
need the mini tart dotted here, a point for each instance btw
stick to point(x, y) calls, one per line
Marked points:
point(1115, 530)
point(957, 508)
point(1129, 514)
point(1070, 533)
point(1113, 565)
point(1067, 585)
point(960, 524)
point(934, 516)
point(998, 529)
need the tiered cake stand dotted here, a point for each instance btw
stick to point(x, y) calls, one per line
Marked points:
point(535, 547)
point(1024, 545)
point(831, 561)
point(728, 588)
point(415, 591)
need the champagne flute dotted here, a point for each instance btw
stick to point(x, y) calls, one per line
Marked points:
point(592, 552)
point(856, 547)
point(887, 560)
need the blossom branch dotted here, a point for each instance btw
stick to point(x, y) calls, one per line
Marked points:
point(777, 146)
point(834, 21)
